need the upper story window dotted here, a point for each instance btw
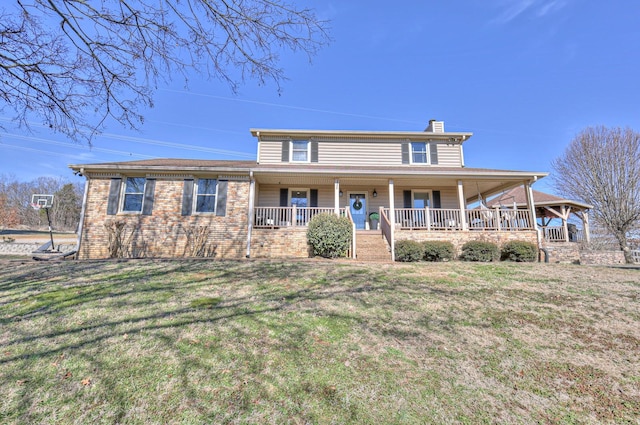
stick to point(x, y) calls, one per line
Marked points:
point(419, 153)
point(300, 151)
point(206, 191)
point(133, 194)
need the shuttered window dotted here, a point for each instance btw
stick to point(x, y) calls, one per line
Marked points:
point(419, 153)
point(299, 151)
point(133, 194)
point(206, 191)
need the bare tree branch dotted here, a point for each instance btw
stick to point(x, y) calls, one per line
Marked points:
point(601, 167)
point(77, 63)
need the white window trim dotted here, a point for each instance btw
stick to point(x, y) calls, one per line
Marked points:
point(413, 198)
point(308, 142)
point(427, 155)
point(194, 208)
point(299, 189)
point(123, 194)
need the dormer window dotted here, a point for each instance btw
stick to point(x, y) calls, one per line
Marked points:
point(299, 151)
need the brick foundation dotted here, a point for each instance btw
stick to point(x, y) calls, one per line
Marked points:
point(280, 243)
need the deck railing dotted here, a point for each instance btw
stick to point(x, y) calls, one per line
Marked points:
point(272, 217)
point(450, 219)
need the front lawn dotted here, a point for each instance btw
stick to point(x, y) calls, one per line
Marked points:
point(179, 341)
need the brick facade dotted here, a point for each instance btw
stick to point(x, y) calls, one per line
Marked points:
point(164, 233)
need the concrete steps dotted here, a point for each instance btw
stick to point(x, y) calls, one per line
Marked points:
point(371, 246)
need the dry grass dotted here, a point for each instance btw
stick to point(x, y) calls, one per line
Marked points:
point(318, 342)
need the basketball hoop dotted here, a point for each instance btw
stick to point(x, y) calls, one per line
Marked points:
point(40, 201)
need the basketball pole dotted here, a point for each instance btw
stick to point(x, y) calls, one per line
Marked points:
point(53, 248)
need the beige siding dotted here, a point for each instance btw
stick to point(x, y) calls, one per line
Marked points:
point(269, 196)
point(360, 152)
point(449, 155)
point(270, 152)
point(448, 196)
point(350, 153)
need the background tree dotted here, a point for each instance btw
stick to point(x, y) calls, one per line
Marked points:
point(601, 167)
point(67, 206)
point(15, 203)
point(70, 61)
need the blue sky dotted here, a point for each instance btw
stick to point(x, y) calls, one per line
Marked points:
point(525, 76)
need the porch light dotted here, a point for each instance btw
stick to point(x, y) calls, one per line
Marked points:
point(341, 193)
point(375, 194)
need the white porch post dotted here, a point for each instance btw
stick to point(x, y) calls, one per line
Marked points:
point(585, 223)
point(565, 228)
point(336, 197)
point(392, 218)
point(462, 206)
point(252, 191)
point(531, 204)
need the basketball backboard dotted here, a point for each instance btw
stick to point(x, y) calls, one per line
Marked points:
point(41, 201)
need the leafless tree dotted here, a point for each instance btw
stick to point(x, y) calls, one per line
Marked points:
point(601, 167)
point(77, 63)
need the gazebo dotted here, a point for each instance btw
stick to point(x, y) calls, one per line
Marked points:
point(549, 207)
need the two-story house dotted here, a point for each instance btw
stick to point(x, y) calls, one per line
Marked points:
point(416, 183)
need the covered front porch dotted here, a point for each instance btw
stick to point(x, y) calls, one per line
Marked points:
point(423, 204)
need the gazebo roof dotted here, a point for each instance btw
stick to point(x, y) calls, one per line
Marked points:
point(541, 199)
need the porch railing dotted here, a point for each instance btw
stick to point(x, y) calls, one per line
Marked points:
point(450, 219)
point(499, 219)
point(557, 234)
point(272, 217)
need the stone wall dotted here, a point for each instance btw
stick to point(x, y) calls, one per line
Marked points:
point(602, 257)
point(165, 232)
point(563, 252)
point(458, 239)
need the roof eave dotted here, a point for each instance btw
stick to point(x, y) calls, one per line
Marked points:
point(453, 137)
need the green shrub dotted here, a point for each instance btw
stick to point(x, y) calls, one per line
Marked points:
point(438, 250)
point(329, 235)
point(480, 251)
point(519, 251)
point(408, 251)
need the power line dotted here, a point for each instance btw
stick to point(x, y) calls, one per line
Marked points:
point(75, 146)
point(298, 108)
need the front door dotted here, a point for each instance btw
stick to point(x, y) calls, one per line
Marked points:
point(358, 203)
